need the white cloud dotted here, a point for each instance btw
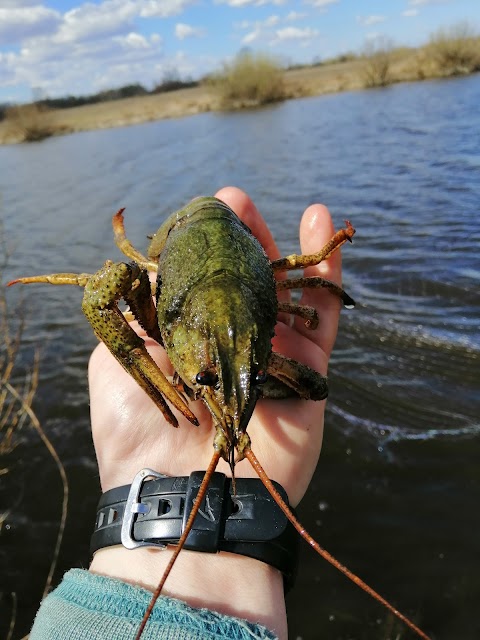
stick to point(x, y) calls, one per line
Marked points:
point(162, 8)
point(271, 21)
point(294, 15)
point(7, 68)
point(263, 30)
point(320, 3)
point(89, 21)
point(183, 31)
point(16, 24)
point(90, 67)
point(255, 24)
point(367, 21)
point(416, 3)
point(295, 33)
point(410, 13)
point(260, 29)
point(134, 41)
point(253, 3)
point(90, 47)
point(13, 4)
point(73, 61)
point(251, 37)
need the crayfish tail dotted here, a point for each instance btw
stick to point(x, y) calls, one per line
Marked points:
point(321, 551)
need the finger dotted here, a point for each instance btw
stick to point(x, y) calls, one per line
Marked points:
point(248, 213)
point(316, 229)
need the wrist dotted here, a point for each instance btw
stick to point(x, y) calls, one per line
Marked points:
point(246, 529)
point(228, 583)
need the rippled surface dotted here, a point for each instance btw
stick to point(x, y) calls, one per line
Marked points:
point(395, 496)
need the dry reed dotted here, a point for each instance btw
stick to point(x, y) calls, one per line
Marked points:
point(28, 123)
point(455, 51)
point(251, 80)
point(376, 71)
point(16, 412)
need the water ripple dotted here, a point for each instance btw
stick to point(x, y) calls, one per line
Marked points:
point(385, 434)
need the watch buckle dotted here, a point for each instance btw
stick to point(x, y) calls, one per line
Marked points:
point(134, 507)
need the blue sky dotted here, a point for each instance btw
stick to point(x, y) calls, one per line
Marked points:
point(71, 47)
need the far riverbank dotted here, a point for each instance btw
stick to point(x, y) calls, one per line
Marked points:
point(399, 65)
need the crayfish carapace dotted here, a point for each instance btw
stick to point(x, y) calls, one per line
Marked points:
point(215, 314)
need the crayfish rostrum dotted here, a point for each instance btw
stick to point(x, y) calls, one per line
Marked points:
point(215, 314)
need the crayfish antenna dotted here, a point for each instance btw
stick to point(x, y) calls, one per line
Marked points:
point(321, 551)
point(191, 518)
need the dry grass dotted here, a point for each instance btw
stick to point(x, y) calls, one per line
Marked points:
point(118, 113)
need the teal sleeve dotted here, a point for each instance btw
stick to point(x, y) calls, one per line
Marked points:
point(86, 606)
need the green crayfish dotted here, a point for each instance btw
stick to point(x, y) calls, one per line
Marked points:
point(215, 313)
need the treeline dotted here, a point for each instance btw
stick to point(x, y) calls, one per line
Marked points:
point(128, 91)
point(170, 83)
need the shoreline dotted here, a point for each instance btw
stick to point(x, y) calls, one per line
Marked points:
point(404, 66)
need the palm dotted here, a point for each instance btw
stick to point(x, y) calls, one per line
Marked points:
point(130, 432)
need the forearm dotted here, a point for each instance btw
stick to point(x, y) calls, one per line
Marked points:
point(86, 605)
point(224, 582)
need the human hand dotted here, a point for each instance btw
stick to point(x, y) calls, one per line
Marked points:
point(130, 433)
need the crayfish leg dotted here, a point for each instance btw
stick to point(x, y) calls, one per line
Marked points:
point(79, 279)
point(309, 314)
point(301, 261)
point(125, 246)
point(102, 292)
point(139, 299)
point(292, 378)
point(314, 282)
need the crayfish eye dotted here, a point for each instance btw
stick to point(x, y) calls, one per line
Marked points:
point(208, 378)
point(261, 377)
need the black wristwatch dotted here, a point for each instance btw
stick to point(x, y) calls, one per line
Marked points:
point(154, 509)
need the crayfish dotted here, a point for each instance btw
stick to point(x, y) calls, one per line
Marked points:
point(215, 314)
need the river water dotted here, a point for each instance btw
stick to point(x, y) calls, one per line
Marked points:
point(395, 496)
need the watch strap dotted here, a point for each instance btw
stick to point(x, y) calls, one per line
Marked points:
point(154, 509)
